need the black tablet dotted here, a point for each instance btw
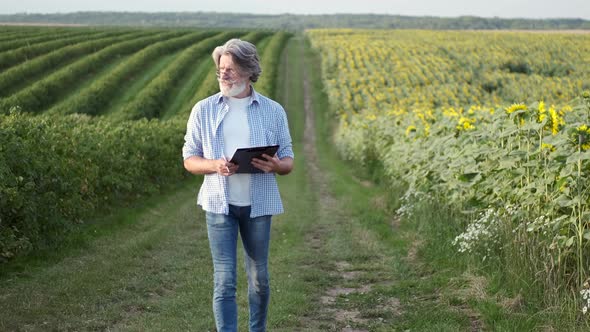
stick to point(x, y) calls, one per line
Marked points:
point(243, 157)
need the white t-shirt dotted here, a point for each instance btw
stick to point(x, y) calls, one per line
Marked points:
point(236, 134)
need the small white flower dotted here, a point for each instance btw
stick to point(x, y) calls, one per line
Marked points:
point(479, 233)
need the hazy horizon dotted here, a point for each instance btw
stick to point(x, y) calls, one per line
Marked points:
point(541, 9)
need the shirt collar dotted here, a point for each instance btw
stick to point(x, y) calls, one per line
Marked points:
point(254, 97)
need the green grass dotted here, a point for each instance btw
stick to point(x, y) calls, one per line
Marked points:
point(289, 251)
point(131, 266)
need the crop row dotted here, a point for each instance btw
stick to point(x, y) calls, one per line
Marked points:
point(269, 63)
point(9, 34)
point(40, 37)
point(45, 92)
point(93, 99)
point(25, 53)
point(10, 78)
point(150, 102)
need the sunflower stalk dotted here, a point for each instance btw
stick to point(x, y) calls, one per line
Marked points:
point(582, 145)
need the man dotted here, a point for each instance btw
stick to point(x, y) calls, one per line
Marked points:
point(238, 117)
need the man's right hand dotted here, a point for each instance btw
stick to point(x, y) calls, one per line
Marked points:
point(224, 167)
point(200, 165)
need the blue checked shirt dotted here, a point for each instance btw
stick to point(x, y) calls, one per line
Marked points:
point(204, 138)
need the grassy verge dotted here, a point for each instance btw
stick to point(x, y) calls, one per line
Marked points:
point(131, 267)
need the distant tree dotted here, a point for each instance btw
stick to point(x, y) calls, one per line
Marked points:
point(295, 22)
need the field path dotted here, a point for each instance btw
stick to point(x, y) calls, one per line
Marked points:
point(346, 279)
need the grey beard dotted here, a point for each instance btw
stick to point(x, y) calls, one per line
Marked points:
point(235, 89)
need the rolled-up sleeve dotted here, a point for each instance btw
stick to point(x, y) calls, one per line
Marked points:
point(284, 137)
point(193, 145)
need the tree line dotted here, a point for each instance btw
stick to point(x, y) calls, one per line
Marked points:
point(296, 22)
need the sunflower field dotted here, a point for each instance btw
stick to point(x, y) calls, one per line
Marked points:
point(495, 124)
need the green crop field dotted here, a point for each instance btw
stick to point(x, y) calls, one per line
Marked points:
point(81, 109)
point(488, 131)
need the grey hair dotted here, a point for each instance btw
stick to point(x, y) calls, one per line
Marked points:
point(244, 55)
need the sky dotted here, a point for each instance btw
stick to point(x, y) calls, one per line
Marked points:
point(445, 8)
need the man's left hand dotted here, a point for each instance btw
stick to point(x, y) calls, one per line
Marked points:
point(270, 165)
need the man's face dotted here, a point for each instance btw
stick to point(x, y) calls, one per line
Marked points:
point(231, 81)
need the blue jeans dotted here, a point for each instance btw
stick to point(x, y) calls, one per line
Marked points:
point(223, 237)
